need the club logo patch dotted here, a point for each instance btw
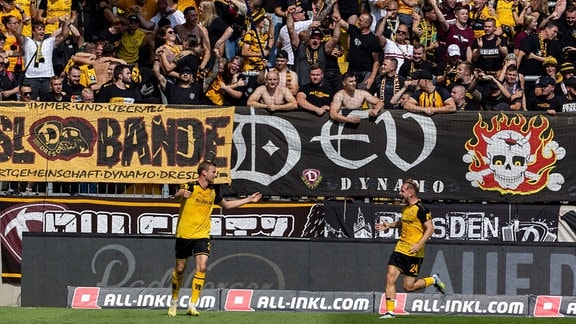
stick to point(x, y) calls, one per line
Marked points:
point(56, 138)
point(311, 178)
point(513, 155)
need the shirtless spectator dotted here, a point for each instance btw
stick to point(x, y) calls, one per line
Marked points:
point(351, 98)
point(191, 26)
point(271, 96)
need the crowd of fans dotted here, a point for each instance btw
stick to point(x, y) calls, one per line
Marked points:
point(429, 56)
point(324, 55)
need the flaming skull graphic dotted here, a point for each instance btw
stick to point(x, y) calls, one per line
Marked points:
point(513, 156)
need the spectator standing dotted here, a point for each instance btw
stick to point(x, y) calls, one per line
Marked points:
point(55, 94)
point(567, 72)
point(541, 102)
point(185, 91)
point(388, 83)
point(461, 34)
point(218, 30)
point(72, 88)
point(426, 29)
point(400, 48)
point(417, 63)
point(315, 96)
point(512, 84)
point(175, 17)
point(8, 83)
point(132, 40)
point(479, 13)
point(120, 91)
point(489, 50)
point(297, 18)
point(272, 96)
point(428, 98)
point(228, 88)
point(38, 51)
point(257, 43)
point(352, 98)
point(146, 8)
point(447, 73)
point(364, 52)
point(565, 102)
point(287, 78)
point(191, 27)
point(11, 45)
point(309, 49)
point(388, 25)
point(52, 12)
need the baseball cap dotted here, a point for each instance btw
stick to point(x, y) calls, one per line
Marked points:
point(132, 18)
point(282, 54)
point(545, 81)
point(571, 83)
point(424, 75)
point(185, 69)
point(316, 33)
point(453, 50)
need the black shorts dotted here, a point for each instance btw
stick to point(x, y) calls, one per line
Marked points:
point(186, 248)
point(409, 266)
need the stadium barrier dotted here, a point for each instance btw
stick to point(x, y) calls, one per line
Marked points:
point(54, 261)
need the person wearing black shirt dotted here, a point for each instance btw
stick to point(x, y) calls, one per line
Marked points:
point(72, 87)
point(315, 96)
point(121, 90)
point(186, 91)
point(565, 102)
point(388, 83)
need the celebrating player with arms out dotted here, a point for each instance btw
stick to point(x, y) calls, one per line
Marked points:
point(193, 232)
point(415, 229)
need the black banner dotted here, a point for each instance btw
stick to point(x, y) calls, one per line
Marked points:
point(458, 222)
point(54, 261)
point(462, 156)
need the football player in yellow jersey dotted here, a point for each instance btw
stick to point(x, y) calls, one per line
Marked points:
point(197, 200)
point(415, 229)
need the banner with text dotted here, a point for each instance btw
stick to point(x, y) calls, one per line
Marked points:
point(141, 217)
point(468, 156)
point(75, 142)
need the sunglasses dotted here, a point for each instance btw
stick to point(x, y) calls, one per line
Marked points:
point(26, 93)
point(170, 32)
point(401, 32)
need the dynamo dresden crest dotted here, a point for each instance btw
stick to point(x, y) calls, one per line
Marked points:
point(311, 177)
point(513, 155)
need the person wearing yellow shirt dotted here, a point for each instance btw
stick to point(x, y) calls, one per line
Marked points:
point(415, 228)
point(132, 40)
point(30, 8)
point(51, 12)
point(479, 12)
point(197, 199)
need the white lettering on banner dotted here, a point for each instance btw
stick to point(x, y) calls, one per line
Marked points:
point(333, 152)
point(465, 306)
point(313, 303)
point(292, 145)
point(292, 140)
point(571, 309)
point(127, 300)
point(428, 129)
point(381, 184)
point(106, 222)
